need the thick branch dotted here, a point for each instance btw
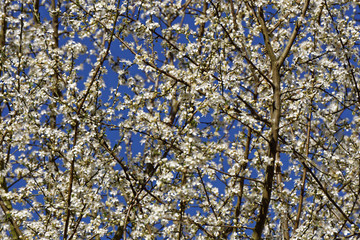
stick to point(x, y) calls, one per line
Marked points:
point(284, 217)
point(294, 34)
point(302, 191)
point(266, 34)
point(71, 180)
point(6, 205)
point(269, 171)
point(16, 232)
point(3, 25)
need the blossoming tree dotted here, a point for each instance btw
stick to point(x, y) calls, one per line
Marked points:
point(174, 119)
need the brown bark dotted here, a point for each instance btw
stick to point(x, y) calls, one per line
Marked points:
point(273, 138)
point(303, 180)
point(284, 216)
point(3, 25)
point(276, 63)
point(6, 205)
point(36, 12)
point(273, 141)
